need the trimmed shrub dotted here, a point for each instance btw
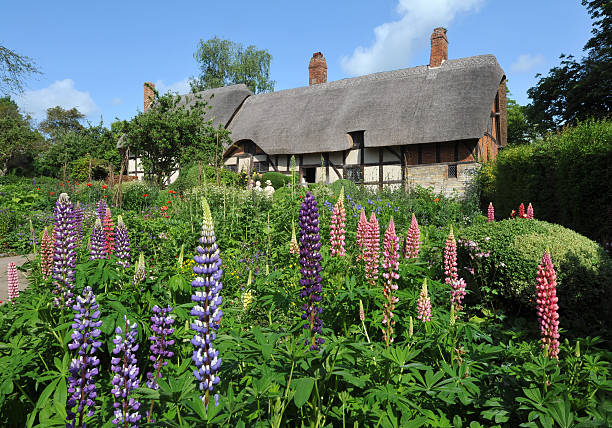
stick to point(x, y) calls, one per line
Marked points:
point(505, 262)
point(190, 178)
point(278, 179)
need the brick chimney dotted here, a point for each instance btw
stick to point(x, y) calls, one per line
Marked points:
point(149, 95)
point(439, 47)
point(317, 69)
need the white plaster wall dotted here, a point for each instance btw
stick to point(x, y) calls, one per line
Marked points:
point(352, 158)
point(392, 172)
point(231, 161)
point(244, 164)
point(370, 173)
point(282, 163)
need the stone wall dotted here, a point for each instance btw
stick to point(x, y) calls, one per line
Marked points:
point(436, 177)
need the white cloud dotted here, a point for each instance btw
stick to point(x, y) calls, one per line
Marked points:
point(116, 101)
point(527, 62)
point(60, 93)
point(397, 41)
point(181, 87)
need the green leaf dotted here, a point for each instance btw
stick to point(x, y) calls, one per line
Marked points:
point(303, 388)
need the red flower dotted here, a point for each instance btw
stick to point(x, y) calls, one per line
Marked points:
point(106, 196)
point(145, 195)
point(164, 208)
point(88, 184)
point(62, 184)
point(168, 202)
point(51, 193)
point(38, 188)
point(104, 186)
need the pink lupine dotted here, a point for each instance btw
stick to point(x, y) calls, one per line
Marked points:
point(371, 254)
point(362, 226)
point(521, 211)
point(457, 293)
point(424, 304)
point(412, 244)
point(46, 254)
point(337, 228)
point(13, 282)
point(530, 212)
point(109, 233)
point(491, 213)
point(450, 258)
point(547, 306)
point(390, 267)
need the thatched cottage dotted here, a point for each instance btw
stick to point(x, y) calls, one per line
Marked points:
point(426, 125)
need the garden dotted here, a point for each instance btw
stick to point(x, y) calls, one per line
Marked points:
point(326, 306)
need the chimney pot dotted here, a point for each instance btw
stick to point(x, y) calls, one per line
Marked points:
point(317, 69)
point(149, 95)
point(439, 47)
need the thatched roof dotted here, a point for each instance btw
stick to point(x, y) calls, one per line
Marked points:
point(223, 102)
point(407, 106)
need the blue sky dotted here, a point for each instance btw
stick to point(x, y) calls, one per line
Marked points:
point(97, 55)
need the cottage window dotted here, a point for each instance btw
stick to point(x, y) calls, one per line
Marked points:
point(309, 175)
point(452, 171)
point(357, 137)
point(260, 166)
point(233, 168)
point(353, 173)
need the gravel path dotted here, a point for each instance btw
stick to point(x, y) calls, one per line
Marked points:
point(4, 261)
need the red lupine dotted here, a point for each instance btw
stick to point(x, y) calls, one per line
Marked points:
point(109, 233)
point(372, 249)
point(390, 267)
point(362, 226)
point(491, 213)
point(450, 259)
point(46, 254)
point(337, 228)
point(521, 212)
point(412, 244)
point(547, 306)
point(530, 212)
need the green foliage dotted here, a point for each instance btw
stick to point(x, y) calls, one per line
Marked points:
point(564, 176)
point(508, 273)
point(17, 138)
point(278, 179)
point(520, 131)
point(14, 69)
point(223, 63)
point(60, 120)
point(190, 178)
point(577, 90)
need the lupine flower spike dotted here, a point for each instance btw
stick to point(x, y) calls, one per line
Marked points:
point(109, 233)
point(207, 308)
point(160, 348)
point(98, 242)
point(83, 368)
point(424, 304)
point(64, 259)
point(140, 273)
point(547, 306)
point(372, 250)
point(491, 213)
point(78, 218)
point(362, 226)
point(310, 260)
point(530, 212)
point(294, 247)
point(390, 267)
point(337, 228)
point(125, 380)
point(13, 282)
point(46, 254)
point(521, 211)
point(450, 258)
point(101, 209)
point(411, 247)
point(457, 293)
point(122, 250)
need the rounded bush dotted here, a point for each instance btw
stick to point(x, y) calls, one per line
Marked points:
point(277, 179)
point(505, 257)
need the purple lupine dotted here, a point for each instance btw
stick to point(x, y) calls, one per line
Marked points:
point(64, 258)
point(98, 242)
point(207, 308)
point(310, 260)
point(102, 209)
point(126, 372)
point(122, 242)
point(13, 282)
point(84, 367)
point(160, 352)
point(78, 220)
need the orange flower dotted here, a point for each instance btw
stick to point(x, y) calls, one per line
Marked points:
point(437, 200)
point(164, 208)
point(106, 196)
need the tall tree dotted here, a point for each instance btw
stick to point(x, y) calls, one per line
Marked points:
point(14, 69)
point(520, 130)
point(60, 120)
point(576, 90)
point(16, 134)
point(223, 62)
